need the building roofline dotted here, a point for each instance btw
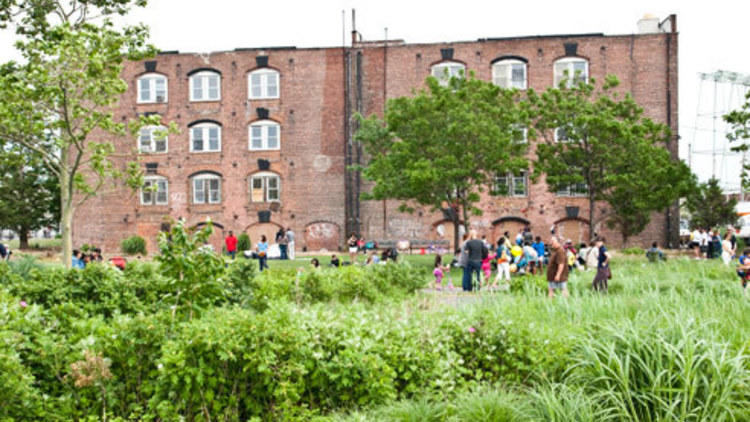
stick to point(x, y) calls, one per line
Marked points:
point(400, 43)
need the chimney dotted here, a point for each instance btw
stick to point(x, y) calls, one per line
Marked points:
point(648, 24)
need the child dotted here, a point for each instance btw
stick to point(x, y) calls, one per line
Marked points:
point(503, 263)
point(487, 267)
point(438, 272)
point(743, 269)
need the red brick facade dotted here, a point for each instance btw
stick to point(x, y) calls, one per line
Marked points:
point(320, 88)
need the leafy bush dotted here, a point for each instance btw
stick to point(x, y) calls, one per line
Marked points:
point(633, 251)
point(133, 245)
point(243, 242)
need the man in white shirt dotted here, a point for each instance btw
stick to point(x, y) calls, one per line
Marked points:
point(290, 242)
point(695, 242)
point(704, 242)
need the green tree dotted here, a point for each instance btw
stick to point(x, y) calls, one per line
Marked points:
point(444, 146)
point(709, 207)
point(598, 143)
point(67, 90)
point(29, 193)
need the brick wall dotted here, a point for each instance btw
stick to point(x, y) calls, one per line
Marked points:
point(311, 111)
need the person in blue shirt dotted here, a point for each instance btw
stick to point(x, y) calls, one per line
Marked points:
point(538, 246)
point(655, 252)
point(603, 274)
point(744, 268)
point(77, 260)
point(263, 252)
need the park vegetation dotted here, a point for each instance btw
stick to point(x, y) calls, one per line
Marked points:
point(188, 338)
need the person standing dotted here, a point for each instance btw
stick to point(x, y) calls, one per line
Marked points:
point(726, 248)
point(474, 249)
point(503, 263)
point(695, 242)
point(603, 273)
point(282, 240)
point(231, 244)
point(262, 249)
point(290, 243)
point(538, 246)
point(352, 245)
point(557, 269)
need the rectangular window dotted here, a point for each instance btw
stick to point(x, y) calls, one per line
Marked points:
point(255, 88)
point(152, 140)
point(145, 85)
point(197, 139)
point(256, 193)
point(205, 86)
point(512, 184)
point(273, 85)
point(145, 140)
point(207, 189)
point(264, 135)
point(575, 189)
point(154, 191)
point(199, 193)
point(257, 137)
point(161, 90)
point(265, 188)
point(213, 138)
point(518, 76)
point(273, 136)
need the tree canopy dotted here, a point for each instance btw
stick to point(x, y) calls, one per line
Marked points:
point(709, 207)
point(66, 91)
point(597, 143)
point(445, 145)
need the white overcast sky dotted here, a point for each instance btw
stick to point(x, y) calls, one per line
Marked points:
point(713, 36)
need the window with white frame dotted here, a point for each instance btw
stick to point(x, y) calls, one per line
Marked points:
point(447, 70)
point(206, 189)
point(513, 184)
point(205, 137)
point(154, 191)
point(519, 134)
point(509, 73)
point(152, 139)
point(205, 86)
point(152, 88)
point(562, 134)
point(263, 83)
point(264, 135)
point(573, 70)
point(575, 189)
point(265, 187)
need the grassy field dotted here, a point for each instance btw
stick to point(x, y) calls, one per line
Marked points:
point(37, 244)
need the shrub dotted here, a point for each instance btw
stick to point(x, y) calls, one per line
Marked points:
point(243, 243)
point(134, 245)
point(633, 251)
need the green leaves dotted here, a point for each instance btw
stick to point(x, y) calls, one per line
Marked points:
point(709, 207)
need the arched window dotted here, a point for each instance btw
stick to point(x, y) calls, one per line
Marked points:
point(264, 135)
point(509, 73)
point(152, 88)
point(205, 86)
point(206, 188)
point(263, 83)
point(153, 139)
point(155, 191)
point(205, 137)
point(265, 187)
point(444, 71)
point(573, 70)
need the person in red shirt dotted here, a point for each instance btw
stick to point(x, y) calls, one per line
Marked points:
point(231, 243)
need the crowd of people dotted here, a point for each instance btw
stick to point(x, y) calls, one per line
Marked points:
point(81, 259)
point(524, 254)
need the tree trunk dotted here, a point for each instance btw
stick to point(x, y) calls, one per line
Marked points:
point(591, 218)
point(23, 238)
point(66, 217)
point(455, 233)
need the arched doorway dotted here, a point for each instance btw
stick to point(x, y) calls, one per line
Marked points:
point(255, 230)
point(574, 228)
point(216, 240)
point(322, 235)
point(511, 224)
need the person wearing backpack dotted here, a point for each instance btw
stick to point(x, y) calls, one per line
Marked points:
point(503, 263)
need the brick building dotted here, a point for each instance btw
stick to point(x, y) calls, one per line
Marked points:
point(265, 138)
